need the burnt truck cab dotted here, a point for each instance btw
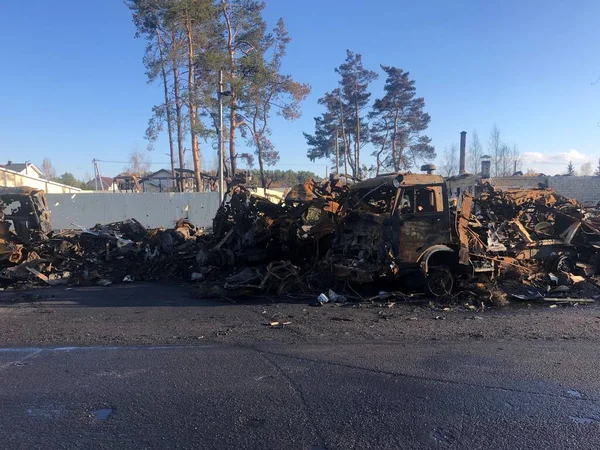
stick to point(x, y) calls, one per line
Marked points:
point(394, 225)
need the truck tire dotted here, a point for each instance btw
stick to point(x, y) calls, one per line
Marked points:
point(440, 281)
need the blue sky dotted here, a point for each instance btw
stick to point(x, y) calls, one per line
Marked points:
point(73, 87)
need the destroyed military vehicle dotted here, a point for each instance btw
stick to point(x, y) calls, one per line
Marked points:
point(397, 225)
point(404, 227)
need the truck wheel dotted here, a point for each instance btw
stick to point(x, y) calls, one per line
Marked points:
point(565, 264)
point(440, 281)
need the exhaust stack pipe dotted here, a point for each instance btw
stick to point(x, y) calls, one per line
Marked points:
point(463, 152)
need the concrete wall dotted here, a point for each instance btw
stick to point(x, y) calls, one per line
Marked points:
point(152, 210)
point(583, 189)
point(517, 182)
point(9, 178)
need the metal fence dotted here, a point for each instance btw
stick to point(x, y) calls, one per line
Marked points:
point(152, 210)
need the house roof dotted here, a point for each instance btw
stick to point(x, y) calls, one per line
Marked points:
point(106, 181)
point(156, 178)
point(161, 171)
point(20, 167)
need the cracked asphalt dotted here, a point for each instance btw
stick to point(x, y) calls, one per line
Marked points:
point(153, 366)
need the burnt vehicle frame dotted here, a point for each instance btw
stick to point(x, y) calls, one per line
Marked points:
point(396, 225)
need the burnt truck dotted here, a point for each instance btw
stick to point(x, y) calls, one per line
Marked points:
point(404, 227)
point(394, 226)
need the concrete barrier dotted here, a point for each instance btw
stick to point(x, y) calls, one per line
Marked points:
point(583, 189)
point(153, 210)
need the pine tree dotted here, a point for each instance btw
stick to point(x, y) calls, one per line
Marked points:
point(399, 120)
point(341, 132)
point(270, 90)
point(244, 33)
point(330, 139)
point(355, 96)
point(570, 169)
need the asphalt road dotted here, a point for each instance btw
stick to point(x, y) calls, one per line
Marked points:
point(89, 368)
point(344, 396)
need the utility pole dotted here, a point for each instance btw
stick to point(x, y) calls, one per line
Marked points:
point(97, 176)
point(221, 179)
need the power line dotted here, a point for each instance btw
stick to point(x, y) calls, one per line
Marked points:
point(168, 164)
point(129, 162)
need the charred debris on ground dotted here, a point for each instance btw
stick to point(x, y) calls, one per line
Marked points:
point(381, 239)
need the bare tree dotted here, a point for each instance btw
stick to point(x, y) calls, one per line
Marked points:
point(586, 169)
point(495, 150)
point(597, 172)
point(449, 165)
point(531, 173)
point(504, 161)
point(516, 158)
point(475, 153)
point(139, 162)
point(48, 169)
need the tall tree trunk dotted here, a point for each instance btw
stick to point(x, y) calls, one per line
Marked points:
point(192, 105)
point(261, 166)
point(357, 142)
point(233, 104)
point(337, 151)
point(257, 134)
point(344, 137)
point(178, 109)
point(167, 103)
point(395, 157)
point(232, 128)
point(380, 152)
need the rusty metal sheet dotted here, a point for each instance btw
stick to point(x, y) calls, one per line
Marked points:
point(463, 225)
point(406, 179)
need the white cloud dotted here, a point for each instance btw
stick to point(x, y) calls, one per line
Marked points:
point(555, 158)
point(575, 156)
point(533, 157)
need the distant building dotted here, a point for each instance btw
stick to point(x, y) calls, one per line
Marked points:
point(28, 175)
point(159, 181)
point(583, 189)
point(24, 169)
point(102, 184)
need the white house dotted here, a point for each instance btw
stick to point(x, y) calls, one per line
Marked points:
point(25, 174)
point(24, 169)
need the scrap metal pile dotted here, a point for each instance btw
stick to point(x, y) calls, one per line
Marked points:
point(547, 245)
point(278, 245)
point(521, 244)
point(30, 252)
point(249, 232)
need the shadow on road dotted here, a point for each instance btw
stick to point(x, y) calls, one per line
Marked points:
point(138, 294)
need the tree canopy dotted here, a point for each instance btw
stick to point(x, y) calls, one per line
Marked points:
point(393, 124)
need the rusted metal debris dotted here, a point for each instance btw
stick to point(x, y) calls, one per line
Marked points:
point(30, 253)
point(396, 232)
point(542, 239)
point(24, 215)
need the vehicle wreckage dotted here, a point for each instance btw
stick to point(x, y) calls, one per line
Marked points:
point(398, 231)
